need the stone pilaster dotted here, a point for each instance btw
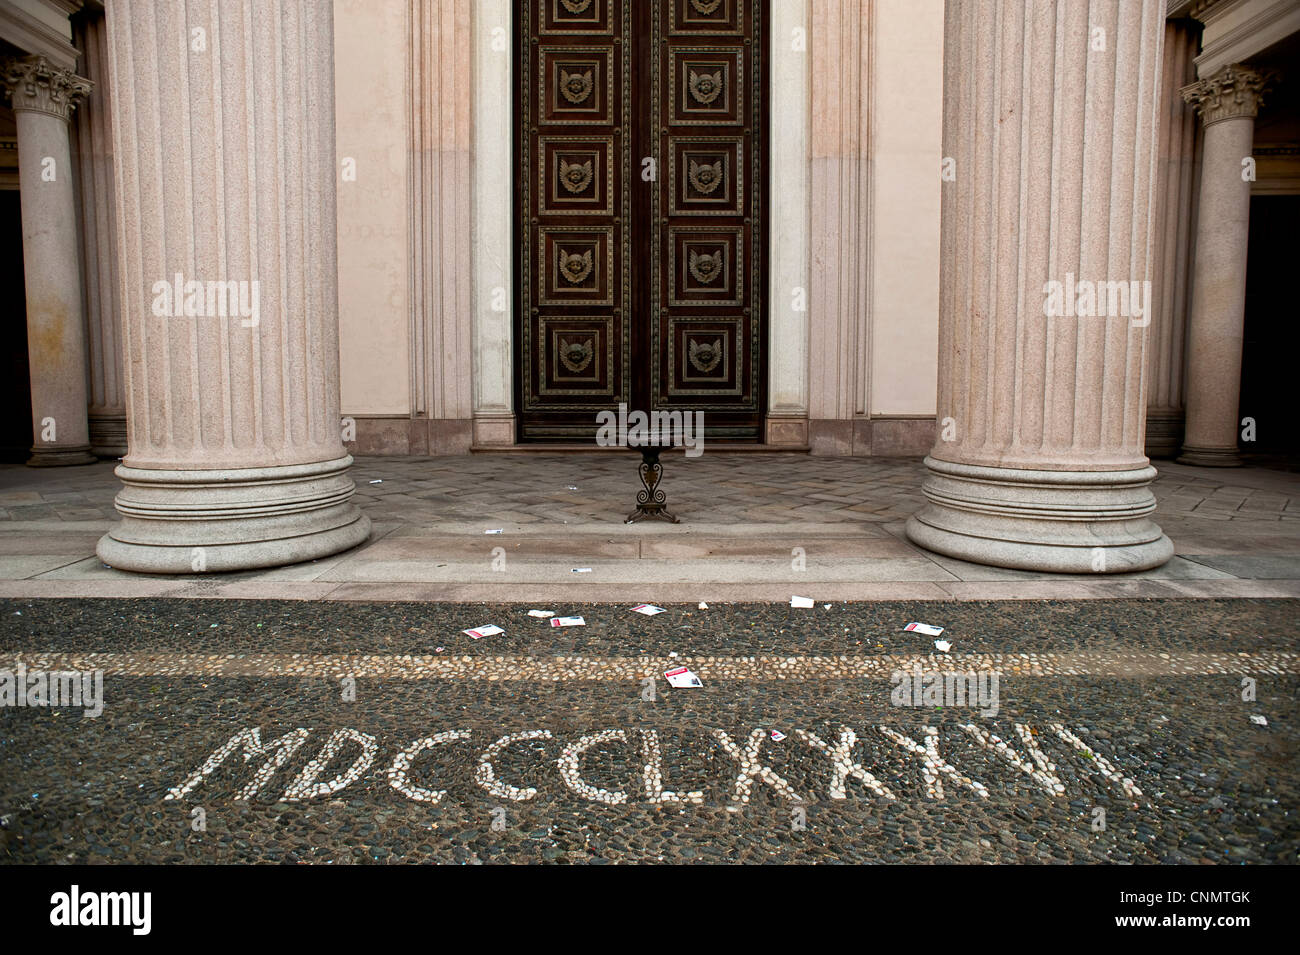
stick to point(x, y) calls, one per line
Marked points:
point(788, 261)
point(1227, 102)
point(1051, 116)
point(441, 76)
point(492, 336)
point(1177, 169)
point(840, 295)
point(223, 126)
point(94, 156)
point(44, 97)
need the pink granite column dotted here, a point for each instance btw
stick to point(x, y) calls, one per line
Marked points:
point(94, 154)
point(1227, 102)
point(43, 98)
point(223, 129)
point(1051, 115)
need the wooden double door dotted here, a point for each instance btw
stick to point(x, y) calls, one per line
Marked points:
point(640, 263)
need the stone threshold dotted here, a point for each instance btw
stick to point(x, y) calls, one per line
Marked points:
point(557, 596)
point(568, 448)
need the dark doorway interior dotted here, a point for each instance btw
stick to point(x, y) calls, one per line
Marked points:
point(15, 387)
point(1272, 335)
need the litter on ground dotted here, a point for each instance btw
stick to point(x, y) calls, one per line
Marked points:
point(925, 628)
point(682, 678)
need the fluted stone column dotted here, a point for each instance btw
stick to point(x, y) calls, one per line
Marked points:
point(1052, 126)
point(43, 97)
point(223, 125)
point(1227, 102)
point(94, 155)
point(1178, 168)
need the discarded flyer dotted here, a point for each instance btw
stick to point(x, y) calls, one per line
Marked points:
point(942, 645)
point(491, 630)
point(924, 628)
point(648, 609)
point(568, 622)
point(495, 530)
point(801, 602)
point(682, 678)
point(582, 570)
point(541, 613)
point(1259, 721)
point(777, 736)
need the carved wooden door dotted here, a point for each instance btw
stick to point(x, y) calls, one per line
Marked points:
point(640, 144)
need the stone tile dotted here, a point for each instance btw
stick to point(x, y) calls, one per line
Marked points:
point(22, 566)
point(1252, 566)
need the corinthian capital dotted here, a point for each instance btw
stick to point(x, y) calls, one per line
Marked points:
point(1233, 92)
point(34, 83)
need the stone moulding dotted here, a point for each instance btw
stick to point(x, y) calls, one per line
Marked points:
point(1062, 521)
point(205, 521)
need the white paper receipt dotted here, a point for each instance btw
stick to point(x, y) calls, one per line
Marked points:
point(924, 628)
point(682, 678)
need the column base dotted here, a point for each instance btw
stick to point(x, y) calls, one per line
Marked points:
point(210, 521)
point(1074, 522)
point(1210, 457)
point(61, 457)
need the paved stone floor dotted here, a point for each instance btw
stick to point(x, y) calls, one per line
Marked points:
point(754, 527)
point(333, 732)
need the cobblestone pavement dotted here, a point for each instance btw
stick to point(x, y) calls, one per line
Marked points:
point(1117, 732)
point(754, 527)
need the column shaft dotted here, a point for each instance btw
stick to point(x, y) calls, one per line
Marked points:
point(43, 97)
point(223, 125)
point(1228, 102)
point(1050, 113)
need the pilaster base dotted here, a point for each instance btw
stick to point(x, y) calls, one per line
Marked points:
point(1164, 432)
point(786, 431)
point(185, 522)
point(494, 430)
point(108, 435)
point(43, 457)
point(1077, 522)
point(1210, 457)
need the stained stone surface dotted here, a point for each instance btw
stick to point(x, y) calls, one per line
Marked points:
point(1170, 755)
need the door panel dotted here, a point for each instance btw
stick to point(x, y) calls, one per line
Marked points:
point(640, 146)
